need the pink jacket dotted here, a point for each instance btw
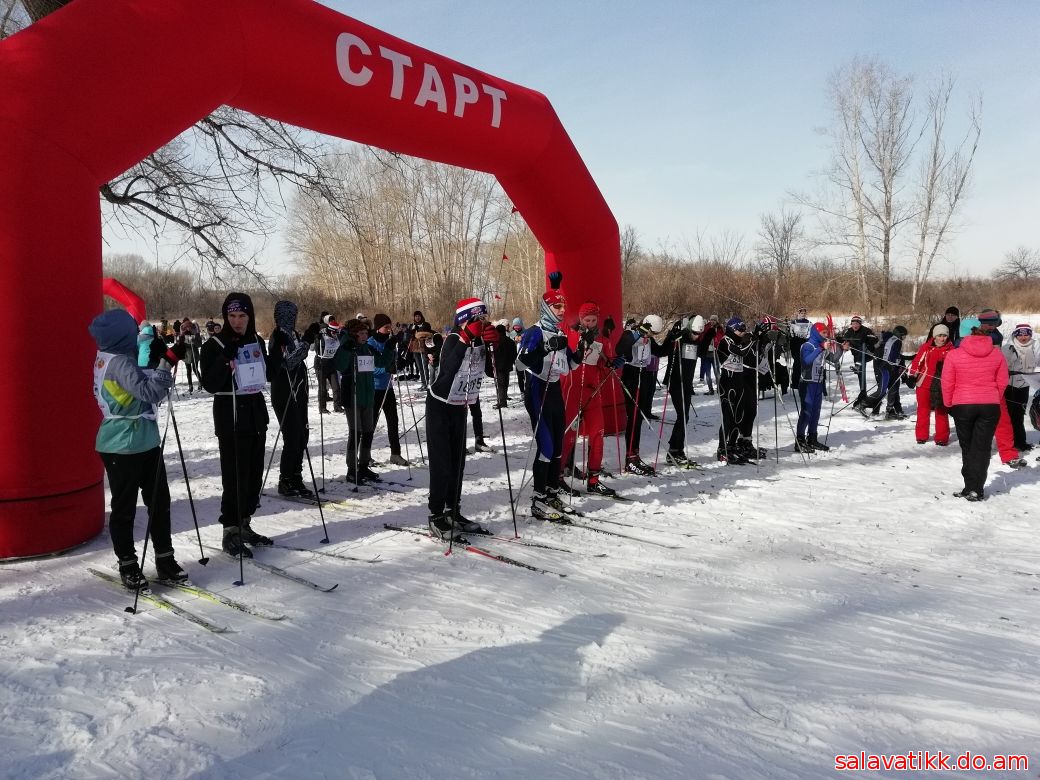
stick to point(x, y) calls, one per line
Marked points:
point(974, 373)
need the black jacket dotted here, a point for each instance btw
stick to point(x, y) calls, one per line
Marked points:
point(215, 366)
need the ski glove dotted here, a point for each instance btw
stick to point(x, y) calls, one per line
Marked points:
point(556, 343)
point(490, 335)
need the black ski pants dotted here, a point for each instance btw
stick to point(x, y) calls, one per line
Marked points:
point(502, 385)
point(326, 371)
point(640, 385)
point(478, 420)
point(386, 402)
point(682, 395)
point(446, 436)
point(242, 455)
point(1017, 399)
point(361, 426)
point(739, 407)
point(292, 412)
point(976, 425)
point(545, 407)
point(129, 473)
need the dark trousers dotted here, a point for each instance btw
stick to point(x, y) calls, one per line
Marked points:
point(361, 426)
point(478, 420)
point(248, 450)
point(326, 372)
point(127, 474)
point(544, 402)
point(386, 402)
point(292, 412)
point(640, 385)
point(796, 370)
point(502, 385)
point(446, 435)
point(1017, 399)
point(681, 399)
point(739, 406)
point(976, 424)
point(422, 366)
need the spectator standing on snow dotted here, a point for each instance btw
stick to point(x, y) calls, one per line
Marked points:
point(1021, 353)
point(129, 444)
point(973, 380)
point(924, 368)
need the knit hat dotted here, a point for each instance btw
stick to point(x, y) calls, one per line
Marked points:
point(1022, 329)
point(954, 311)
point(285, 313)
point(990, 317)
point(735, 323)
point(238, 302)
point(899, 331)
point(380, 320)
point(469, 309)
point(418, 314)
point(355, 326)
point(857, 318)
point(588, 309)
point(940, 330)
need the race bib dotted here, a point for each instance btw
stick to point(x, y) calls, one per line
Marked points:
point(641, 354)
point(250, 369)
point(593, 354)
point(366, 364)
point(733, 363)
point(689, 351)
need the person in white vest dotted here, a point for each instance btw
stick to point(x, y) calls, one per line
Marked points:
point(235, 369)
point(464, 364)
point(129, 445)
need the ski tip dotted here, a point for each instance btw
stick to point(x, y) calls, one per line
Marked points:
point(329, 590)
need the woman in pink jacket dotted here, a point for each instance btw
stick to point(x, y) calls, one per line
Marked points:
point(973, 380)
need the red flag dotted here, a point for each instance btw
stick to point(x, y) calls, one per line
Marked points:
point(498, 297)
point(505, 256)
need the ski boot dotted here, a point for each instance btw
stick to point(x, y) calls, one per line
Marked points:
point(249, 536)
point(353, 478)
point(1017, 463)
point(233, 545)
point(542, 509)
point(464, 525)
point(168, 570)
point(677, 458)
point(975, 495)
point(131, 575)
point(287, 488)
point(801, 444)
point(302, 490)
point(367, 475)
point(397, 460)
point(816, 444)
point(894, 414)
point(637, 466)
point(440, 528)
point(597, 488)
point(482, 446)
point(731, 458)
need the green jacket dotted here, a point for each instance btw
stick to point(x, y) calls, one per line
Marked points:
point(352, 381)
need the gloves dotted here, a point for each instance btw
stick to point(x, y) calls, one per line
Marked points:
point(555, 278)
point(617, 362)
point(588, 335)
point(490, 335)
point(311, 334)
point(644, 328)
point(608, 327)
point(557, 342)
point(156, 350)
point(676, 330)
point(177, 352)
point(762, 327)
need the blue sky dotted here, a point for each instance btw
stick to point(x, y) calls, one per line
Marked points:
point(695, 116)
point(701, 116)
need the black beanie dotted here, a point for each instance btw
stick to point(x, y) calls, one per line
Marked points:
point(238, 301)
point(954, 311)
point(379, 321)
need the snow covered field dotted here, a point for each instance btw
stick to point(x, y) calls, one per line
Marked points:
point(774, 617)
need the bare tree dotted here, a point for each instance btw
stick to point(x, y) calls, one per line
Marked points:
point(944, 176)
point(1021, 264)
point(782, 241)
point(630, 249)
point(218, 182)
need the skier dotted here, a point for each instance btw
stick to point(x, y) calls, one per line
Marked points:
point(582, 390)
point(812, 359)
point(546, 356)
point(505, 359)
point(799, 327)
point(289, 397)
point(129, 445)
point(325, 366)
point(384, 348)
point(861, 341)
point(521, 374)
point(679, 376)
point(356, 365)
point(738, 405)
point(235, 371)
point(924, 369)
point(888, 368)
point(706, 346)
point(641, 354)
point(464, 364)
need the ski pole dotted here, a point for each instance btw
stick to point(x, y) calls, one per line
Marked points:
point(187, 483)
point(238, 487)
point(505, 449)
point(664, 408)
point(415, 424)
point(159, 466)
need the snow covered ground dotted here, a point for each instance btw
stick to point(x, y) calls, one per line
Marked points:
point(775, 616)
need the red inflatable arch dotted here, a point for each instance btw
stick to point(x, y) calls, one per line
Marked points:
point(92, 88)
point(131, 301)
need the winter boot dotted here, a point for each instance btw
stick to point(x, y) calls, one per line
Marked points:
point(353, 479)
point(894, 414)
point(301, 489)
point(286, 487)
point(975, 495)
point(483, 446)
point(249, 536)
point(637, 466)
point(367, 475)
point(130, 574)
point(233, 545)
point(816, 444)
point(397, 460)
point(597, 488)
point(440, 528)
point(731, 458)
point(801, 444)
point(168, 570)
point(1017, 463)
point(542, 509)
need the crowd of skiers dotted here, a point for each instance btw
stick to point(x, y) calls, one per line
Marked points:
point(567, 365)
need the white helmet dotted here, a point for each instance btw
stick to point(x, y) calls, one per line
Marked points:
point(697, 324)
point(654, 323)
